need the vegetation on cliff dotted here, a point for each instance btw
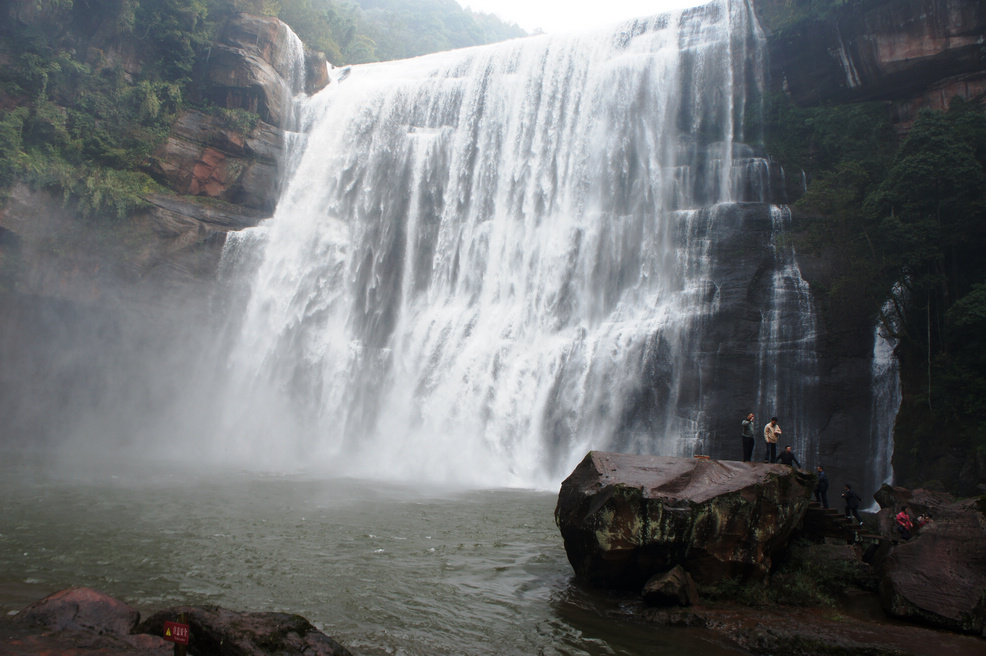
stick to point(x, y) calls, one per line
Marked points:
point(89, 88)
point(904, 224)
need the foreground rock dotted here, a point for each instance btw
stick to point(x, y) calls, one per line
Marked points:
point(225, 632)
point(84, 621)
point(814, 632)
point(79, 620)
point(937, 577)
point(627, 518)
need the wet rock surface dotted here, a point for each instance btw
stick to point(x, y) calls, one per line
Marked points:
point(626, 518)
point(81, 621)
point(224, 632)
point(811, 632)
point(938, 576)
point(673, 588)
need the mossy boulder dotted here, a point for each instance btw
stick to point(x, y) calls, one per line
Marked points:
point(625, 518)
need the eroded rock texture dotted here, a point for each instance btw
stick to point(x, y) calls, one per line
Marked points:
point(625, 518)
point(223, 632)
point(919, 53)
point(938, 576)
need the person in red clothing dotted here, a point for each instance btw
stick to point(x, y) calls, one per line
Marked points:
point(904, 523)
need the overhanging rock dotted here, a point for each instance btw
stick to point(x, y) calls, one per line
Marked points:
point(625, 518)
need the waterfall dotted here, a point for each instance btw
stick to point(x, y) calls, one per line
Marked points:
point(486, 262)
point(787, 363)
point(886, 398)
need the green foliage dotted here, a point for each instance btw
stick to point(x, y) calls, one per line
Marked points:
point(237, 119)
point(11, 155)
point(177, 31)
point(408, 28)
point(786, 16)
point(933, 207)
point(844, 151)
point(84, 126)
point(818, 139)
point(112, 192)
point(910, 214)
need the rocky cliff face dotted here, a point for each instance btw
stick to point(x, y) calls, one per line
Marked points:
point(916, 53)
point(223, 177)
point(256, 66)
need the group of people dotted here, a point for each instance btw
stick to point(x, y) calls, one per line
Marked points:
point(770, 432)
point(905, 525)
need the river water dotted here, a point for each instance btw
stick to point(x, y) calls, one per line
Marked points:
point(384, 569)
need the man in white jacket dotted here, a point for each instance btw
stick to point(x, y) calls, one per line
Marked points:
point(770, 433)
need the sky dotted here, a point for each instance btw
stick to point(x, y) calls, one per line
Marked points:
point(572, 15)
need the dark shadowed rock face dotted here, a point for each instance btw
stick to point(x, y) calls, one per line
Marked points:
point(84, 621)
point(939, 576)
point(626, 518)
point(919, 53)
point(223, 632)
point(252, 67)
point(673, 588)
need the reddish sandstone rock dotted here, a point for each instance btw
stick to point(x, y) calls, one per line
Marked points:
point(625, 518)
point(81, 609)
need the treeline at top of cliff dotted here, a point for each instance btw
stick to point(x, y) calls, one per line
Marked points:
point(347, 32)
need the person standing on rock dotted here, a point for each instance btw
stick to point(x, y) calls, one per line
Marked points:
point(770, 433)
point(822, 489)
point(852, 503)
point(749, 438)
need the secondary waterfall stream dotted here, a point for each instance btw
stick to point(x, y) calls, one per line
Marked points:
point(483, 259)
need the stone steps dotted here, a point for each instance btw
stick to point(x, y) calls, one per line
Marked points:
point(831, 523)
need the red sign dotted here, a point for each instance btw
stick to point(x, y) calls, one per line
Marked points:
point(175, 632)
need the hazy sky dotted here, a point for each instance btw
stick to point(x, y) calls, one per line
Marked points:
point(572, 15)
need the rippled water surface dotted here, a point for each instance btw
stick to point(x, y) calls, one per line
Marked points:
point(384, 569)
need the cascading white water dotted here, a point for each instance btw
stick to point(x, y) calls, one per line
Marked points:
point(483, 259)
point(787, 362)
point(886, 399)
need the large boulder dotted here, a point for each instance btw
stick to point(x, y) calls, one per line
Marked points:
point(81, 609)
point(224, 632)
point(625, 518)
point(920, 501)
point(939, 576)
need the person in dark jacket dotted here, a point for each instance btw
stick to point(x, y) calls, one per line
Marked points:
point(822, 489)
point(749, 438)
point(787, 458)
point(852, 503)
